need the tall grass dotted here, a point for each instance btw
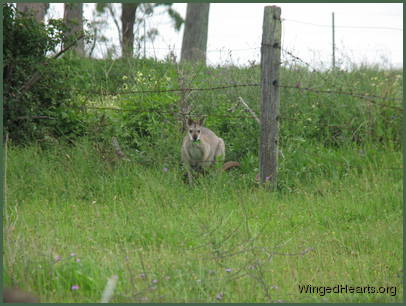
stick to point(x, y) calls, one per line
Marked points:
point(150, 122)
point(76, 215)
point(73, 220)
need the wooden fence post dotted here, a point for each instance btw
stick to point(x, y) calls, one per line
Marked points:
point(270, 64)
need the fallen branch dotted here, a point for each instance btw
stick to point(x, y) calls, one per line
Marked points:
point(241, 100)
point(118, 150)
point(247, 108)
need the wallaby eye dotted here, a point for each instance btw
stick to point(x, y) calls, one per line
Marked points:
point(198, 131)
point(190, 131)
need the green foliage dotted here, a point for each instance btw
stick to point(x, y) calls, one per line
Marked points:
point(339, 186)
point(148, 123)
point(37, 88)
point(337, 119)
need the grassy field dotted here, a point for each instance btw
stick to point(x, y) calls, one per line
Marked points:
point(73, 220)
point(77, 216)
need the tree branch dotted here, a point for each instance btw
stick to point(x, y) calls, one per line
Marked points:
point(37, 75)
point(34, 117)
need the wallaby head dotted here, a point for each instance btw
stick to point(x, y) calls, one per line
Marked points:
point(194, 129)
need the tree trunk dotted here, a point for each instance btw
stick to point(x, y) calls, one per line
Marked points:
point(127, 28)
point(194, 44)
point(73, 18)
point(38, 10)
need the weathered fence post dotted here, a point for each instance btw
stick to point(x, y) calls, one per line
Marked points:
point(270, 64)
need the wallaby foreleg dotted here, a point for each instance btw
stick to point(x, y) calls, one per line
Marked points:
point(189, 172)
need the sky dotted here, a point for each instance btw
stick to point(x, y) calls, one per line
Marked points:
point(365, 33)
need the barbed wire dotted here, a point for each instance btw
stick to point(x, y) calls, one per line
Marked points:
point(179, 89)
point(339, 90)
point(364, 96)
point(199, 114)
point(163, 112)
point(224, 49)
point(309, 66)
point(344, 26)
point(348, 93)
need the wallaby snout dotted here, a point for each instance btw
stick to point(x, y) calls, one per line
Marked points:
point(195, 137)
point(194, 129)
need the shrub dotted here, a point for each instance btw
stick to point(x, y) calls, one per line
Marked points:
point(37, 88)
point(148, 124)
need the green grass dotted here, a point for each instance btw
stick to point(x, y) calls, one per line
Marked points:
point(336, 219)
point(76, 215)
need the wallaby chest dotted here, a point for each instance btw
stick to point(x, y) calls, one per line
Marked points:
point(196, 151)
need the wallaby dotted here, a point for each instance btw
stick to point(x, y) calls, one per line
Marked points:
point(202, 148)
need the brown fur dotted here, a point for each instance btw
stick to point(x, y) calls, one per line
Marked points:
point(230, 164)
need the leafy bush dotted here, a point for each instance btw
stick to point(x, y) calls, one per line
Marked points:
point(149, 129)
point(37, 88)
point(148, 124)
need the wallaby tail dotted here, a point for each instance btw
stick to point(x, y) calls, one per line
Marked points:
point(230, 164)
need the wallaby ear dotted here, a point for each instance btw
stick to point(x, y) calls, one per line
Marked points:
point(201, 120)
point(189, 121)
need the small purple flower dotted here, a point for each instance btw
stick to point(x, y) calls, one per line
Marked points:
point(154, 281)
point(165, 169)
point(58, 258)
point(229, 270)
point(75, 287)
point(77, 260)
point(72, 254)
point(142, 275)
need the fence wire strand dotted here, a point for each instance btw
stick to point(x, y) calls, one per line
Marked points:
point(336, 90)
